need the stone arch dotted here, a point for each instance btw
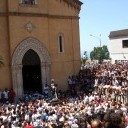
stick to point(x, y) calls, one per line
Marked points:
point(16, 63)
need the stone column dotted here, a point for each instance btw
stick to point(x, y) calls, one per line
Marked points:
point(45, 73)
point(14, 81)
point(35, 1)
point(20, 1)
point(48, 74)
point(17, 80)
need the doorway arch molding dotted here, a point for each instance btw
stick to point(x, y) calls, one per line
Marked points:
point(16, 63)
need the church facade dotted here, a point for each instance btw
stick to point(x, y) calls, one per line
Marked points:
point(39, 41)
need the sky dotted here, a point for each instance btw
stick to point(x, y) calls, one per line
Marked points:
point(99, 18)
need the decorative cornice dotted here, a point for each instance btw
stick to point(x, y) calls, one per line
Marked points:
point(75, 3)
point(118, 34)
point(3, 14)
point(37, 15)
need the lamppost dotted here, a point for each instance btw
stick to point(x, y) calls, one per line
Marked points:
point(99, 38)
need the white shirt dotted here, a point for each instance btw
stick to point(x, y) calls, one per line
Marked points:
point(5, 94)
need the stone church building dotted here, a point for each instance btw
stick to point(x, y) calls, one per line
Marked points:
point(39, 41)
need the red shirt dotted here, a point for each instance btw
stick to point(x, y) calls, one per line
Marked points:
point(29, 126)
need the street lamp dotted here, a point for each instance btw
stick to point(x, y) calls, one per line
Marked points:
point(99, 38)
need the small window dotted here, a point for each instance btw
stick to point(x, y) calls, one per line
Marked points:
point(28, 2)
point(61, 43)
point(125, 43)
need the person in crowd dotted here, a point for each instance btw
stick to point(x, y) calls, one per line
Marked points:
point(11, 95)
point(46, 90)
point(69, 81)
point(54, 89)
point(28, 125)
point(5, 95)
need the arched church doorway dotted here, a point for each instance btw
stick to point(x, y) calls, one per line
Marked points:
point(30, 57)
point(31, 72)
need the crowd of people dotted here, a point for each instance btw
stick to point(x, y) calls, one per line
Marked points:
point(107, 79)
point(97, 99)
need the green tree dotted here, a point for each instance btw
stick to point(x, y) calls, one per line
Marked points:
point(1, 61)
point(100, 53)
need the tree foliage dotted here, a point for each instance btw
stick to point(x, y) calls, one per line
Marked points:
point(99, 53)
